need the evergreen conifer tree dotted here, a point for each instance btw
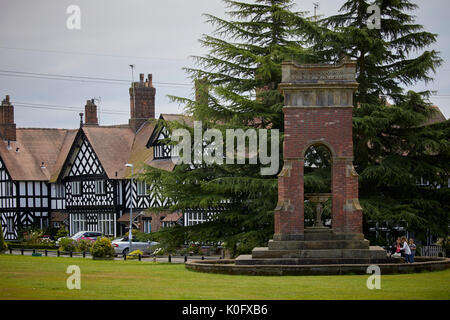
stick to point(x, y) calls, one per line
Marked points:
point(394, 145)
point(236, 86)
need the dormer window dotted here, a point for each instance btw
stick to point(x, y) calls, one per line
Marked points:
point(160, 149)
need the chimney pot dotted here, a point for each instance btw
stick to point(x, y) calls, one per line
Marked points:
point(150, 79)
point(141, 77)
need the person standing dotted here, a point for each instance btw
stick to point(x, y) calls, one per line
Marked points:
point(413, 248)
point(406, 250)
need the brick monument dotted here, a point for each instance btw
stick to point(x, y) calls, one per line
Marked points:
point(318, 111)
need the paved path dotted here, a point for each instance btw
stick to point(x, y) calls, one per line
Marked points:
point(53, 253)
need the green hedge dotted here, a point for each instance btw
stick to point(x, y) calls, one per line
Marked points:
point(17, 245)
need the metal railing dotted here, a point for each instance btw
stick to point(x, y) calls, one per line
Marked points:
point(139, 257)
point(431, 251)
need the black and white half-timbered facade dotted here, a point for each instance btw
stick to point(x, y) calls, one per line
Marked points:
point(8, 214)
point(27, 160)
point(78, 176)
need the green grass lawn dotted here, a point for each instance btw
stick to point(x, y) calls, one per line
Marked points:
point(25, 277)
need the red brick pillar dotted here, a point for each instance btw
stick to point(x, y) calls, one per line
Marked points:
point(289, 213)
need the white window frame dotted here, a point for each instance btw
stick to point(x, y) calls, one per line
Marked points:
point(9, 192)
point(60, 191)
point(76, 188)
point(141, 188)
point(147, 225)
point(9, 225)
point(100, 187)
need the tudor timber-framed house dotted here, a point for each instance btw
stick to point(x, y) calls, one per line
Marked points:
point(48, 176)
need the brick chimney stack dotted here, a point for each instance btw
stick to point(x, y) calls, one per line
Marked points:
point(201, 91)
point(90, 111)
point(7, 125)
point(144, 109)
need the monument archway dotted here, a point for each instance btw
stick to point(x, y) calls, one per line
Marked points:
point(318, 111)
point(317, 185)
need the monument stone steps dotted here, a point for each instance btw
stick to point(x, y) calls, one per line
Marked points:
point(248, 260)
point(315, 253)
point(318, 244)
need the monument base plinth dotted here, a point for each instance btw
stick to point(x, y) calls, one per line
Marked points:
point(320, 246)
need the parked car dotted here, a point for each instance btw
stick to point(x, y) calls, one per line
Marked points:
point(122, 246)
point(84, 235)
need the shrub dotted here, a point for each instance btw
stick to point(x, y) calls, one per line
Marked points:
point(194, 249)
point(84, 245)
point(62, 233)
point(32, 236)
point(102, 248)
point(3, 245)
point(67, 244)
point(134, 254)
point(445, 244)
point(144, 237)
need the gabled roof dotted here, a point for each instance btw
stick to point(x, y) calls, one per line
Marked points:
point(116, 146)
point(112, 145)
point(173, 217)
point(35, 154)
point(184, 119)
point(436, 117)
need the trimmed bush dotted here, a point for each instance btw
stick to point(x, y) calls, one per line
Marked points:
point(84, 245)
point(67, 244)
point(3, 245)
point(102, 248)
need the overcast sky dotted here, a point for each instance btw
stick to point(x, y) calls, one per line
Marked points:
point(157, 36)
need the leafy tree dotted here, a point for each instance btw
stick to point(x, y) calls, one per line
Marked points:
point(236, 86)
point(394, 147)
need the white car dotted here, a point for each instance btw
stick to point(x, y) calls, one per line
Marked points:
point(122, 246)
